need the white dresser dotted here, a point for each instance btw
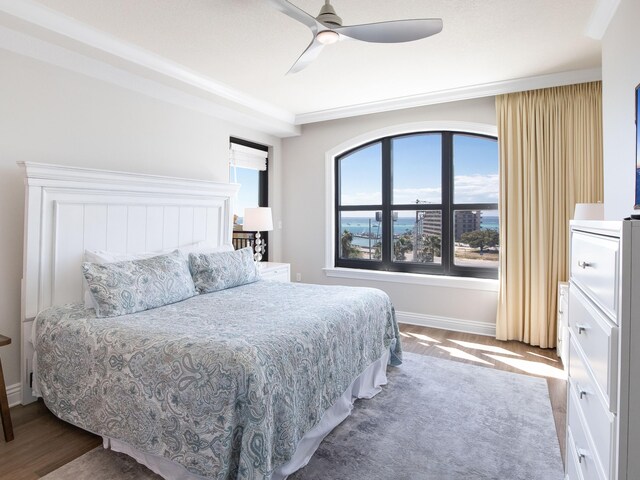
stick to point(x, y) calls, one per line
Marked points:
point(562, 343)
point(603, 411)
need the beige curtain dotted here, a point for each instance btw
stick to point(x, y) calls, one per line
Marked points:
point(550, 159)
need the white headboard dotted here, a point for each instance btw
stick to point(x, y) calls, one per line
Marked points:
point(70, 209)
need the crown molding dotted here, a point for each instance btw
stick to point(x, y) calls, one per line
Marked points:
point(454, 95)
point(49, 53)
point(601, 16)
point(53, 21)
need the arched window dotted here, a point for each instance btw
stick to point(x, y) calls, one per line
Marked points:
point(421, 203)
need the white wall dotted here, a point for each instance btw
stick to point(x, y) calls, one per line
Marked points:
point(55, 116)
point(620, 76)
point(304, 208)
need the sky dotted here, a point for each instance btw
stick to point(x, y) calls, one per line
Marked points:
point(417, 172)
point(248, 194)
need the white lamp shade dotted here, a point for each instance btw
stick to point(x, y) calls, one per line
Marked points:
point(257, 219)
point(589, 211)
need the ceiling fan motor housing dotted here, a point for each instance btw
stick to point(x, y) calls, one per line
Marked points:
point(328, 15)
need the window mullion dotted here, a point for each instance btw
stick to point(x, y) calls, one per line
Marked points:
point(337, 204)
point(447, 197)
point(387, 221)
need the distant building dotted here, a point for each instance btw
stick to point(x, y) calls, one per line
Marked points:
point(430, 222)
point(466, 221)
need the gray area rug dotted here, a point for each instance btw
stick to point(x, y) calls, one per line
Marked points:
point(436, 420)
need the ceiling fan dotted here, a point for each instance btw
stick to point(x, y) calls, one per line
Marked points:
point(327, 29)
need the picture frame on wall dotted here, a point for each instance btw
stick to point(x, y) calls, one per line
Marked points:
point(637, 202)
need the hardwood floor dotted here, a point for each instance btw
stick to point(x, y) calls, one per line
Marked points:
point(43, 443)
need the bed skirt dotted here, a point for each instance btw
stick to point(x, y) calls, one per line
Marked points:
point(367, 385)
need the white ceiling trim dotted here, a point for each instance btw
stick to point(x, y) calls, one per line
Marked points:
point(454, 94)
point(49, 19)
point(41, 50)
point(600, 18)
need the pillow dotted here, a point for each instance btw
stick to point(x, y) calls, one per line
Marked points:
point(205, 247)
point(103, 256)
point(216, 271)
point(132, 286)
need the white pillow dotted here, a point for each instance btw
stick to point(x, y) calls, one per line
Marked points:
point(205, 247)
point(103, 256)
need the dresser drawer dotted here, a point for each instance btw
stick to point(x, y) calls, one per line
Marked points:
point(563, 291)
point(598, 340)
point(280, 274)
point(578, 445)
point(593, 407)
point(594, 267)
point(562, 321)
point(571, 462)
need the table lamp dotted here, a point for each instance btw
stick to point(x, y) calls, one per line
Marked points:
point(258, 220)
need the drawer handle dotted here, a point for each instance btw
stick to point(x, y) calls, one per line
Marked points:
point(582, 328)
point(582, 455)
point(582, 392)
point(561, 312)
point(584, 265)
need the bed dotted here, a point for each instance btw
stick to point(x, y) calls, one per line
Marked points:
point(239, 383)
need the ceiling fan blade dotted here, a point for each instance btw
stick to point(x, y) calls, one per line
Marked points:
point(396, 31)
point(308, 56)
point(297, 14)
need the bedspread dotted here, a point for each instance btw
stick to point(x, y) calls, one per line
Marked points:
point(226, 383)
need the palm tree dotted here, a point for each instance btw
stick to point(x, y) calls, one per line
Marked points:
point(347, 249)
point(377, 251)
point(432, 244)
point(402, 245)
point(430, 247)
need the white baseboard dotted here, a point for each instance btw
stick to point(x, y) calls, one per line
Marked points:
point(14, 394)
point(453, 324)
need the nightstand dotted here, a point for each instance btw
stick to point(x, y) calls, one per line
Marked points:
point(272, 271)
point(4, 403)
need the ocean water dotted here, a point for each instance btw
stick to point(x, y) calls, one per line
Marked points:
point(490, 223)
point(360, 226)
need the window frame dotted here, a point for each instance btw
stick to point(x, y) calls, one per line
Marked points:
point(447, 207)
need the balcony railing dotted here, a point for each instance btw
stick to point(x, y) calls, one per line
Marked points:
point(243, 239)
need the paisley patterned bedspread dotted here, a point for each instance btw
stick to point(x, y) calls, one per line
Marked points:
point(226, 383)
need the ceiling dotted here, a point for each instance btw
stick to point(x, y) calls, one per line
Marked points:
point(249, 46)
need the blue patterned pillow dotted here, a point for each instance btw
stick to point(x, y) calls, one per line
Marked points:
point(132, 286)
point(217, 271)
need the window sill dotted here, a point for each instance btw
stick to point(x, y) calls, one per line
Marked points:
point(466, 283)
